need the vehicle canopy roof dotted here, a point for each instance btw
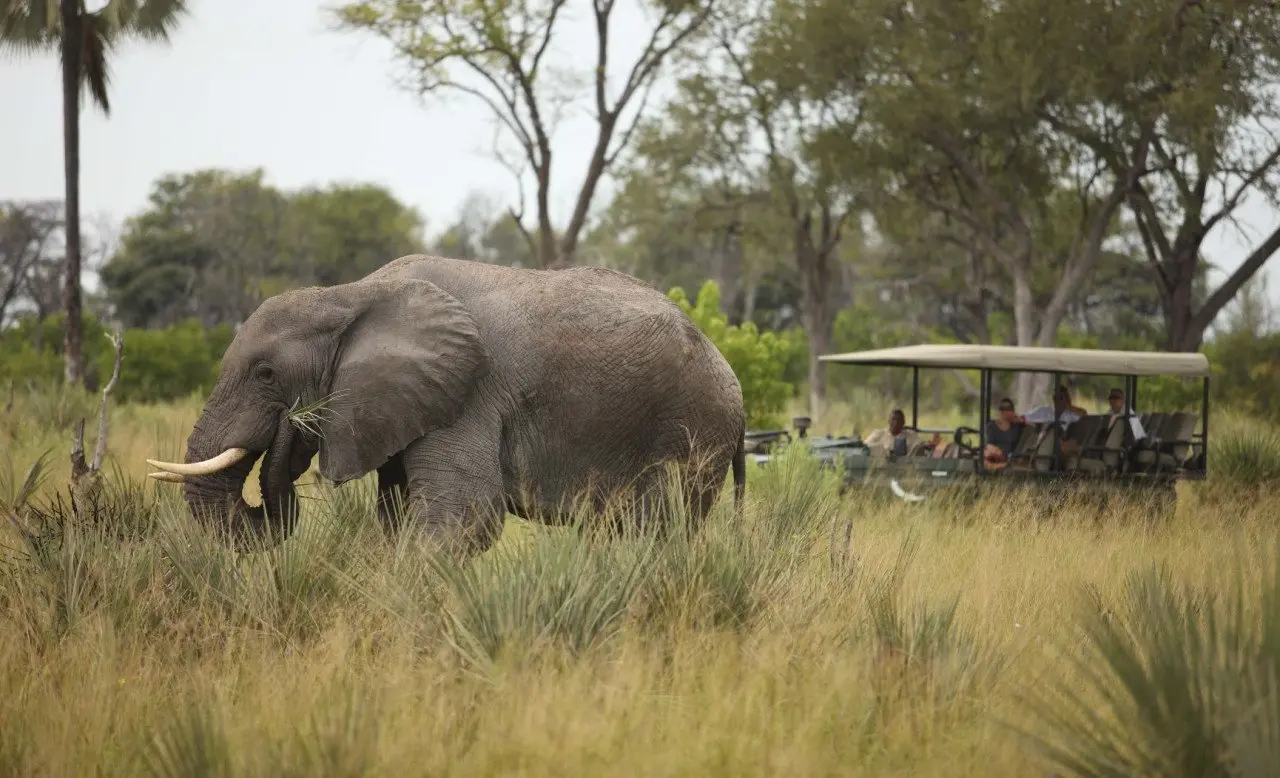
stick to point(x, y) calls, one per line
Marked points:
point(1032, 359)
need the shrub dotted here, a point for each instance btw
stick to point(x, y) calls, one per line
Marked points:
point(759, 359)
point(1179, 682)
point(162, 364)
point(1245, 455)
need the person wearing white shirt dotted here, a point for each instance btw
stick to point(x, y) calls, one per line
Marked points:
point(1116, 400)
point(1062, 410)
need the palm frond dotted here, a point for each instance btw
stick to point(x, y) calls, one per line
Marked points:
point(94, 71)
point(153, 20)
point(30, 27)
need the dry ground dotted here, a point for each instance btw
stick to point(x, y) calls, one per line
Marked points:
point(131, 643)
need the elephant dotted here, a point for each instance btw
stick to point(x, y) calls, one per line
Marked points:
point(473, 390)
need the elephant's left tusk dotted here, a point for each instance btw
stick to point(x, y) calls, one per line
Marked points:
point(170, 477)
point(220, 462)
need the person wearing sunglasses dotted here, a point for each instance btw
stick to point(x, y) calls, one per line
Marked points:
point(1002, 435)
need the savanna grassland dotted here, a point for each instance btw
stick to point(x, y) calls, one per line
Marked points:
point(983, 640)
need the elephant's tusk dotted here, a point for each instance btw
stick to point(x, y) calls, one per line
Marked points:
point(172, 478)
point(220, 462)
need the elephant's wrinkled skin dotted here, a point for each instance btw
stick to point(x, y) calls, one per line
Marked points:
point(471, 389)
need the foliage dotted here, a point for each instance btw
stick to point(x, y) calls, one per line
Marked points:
point(1244, 455)
point(39, 25)
point(757, 358)
point(346, 231)
point(497, 52)
point(1179, 680)
point(214, 243)
point(159, 365)
point(898, 648)
point(1246, 370)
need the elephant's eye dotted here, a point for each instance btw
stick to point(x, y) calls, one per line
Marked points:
point(263, 372)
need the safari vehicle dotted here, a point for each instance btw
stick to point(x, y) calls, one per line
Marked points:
point(1104, 452)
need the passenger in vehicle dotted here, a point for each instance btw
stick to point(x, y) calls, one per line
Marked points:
point(1062, 410)
point(1116, 400)
point(1002, 435)
point(897, 439)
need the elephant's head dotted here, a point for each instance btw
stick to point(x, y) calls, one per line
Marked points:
point(372, 364)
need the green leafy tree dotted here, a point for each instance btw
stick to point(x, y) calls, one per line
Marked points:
point(84, 41)
point(757, 124)
point(346, 231)
point(1202, 76)
point(213, 244)
point(759, 359)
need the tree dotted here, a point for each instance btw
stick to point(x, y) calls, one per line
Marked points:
point(495, 51)
point(950, 93)
point(84, 41)
point(29, 234)
point(346, 231)
point(758, 122)
point(1216, 141)
point(484, 232)
point(214, 243)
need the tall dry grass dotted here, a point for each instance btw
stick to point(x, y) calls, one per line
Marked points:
point(940, 640)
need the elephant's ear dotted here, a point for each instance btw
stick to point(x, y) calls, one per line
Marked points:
point(406, 363)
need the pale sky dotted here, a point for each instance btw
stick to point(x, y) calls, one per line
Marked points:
point(249, 83)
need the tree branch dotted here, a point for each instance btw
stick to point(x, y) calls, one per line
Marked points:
point(1231, 287)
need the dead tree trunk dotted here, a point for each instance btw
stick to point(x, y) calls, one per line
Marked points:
point(85, 482)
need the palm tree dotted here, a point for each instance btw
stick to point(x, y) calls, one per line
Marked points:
point(84, 40)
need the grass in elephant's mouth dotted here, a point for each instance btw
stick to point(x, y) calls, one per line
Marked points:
point(754, 650)
point(309, 417)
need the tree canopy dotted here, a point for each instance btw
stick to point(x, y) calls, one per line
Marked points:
point(213, 244)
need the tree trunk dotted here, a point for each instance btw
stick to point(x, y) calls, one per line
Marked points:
point(749, 300)
point(1028, 387)
point(813, 259)
point(1179, 303)
point(72, 34)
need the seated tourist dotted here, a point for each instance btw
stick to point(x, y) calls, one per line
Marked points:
point(897, 440)
point(1118, 409)
point(1062, 410)
point(1002, 435)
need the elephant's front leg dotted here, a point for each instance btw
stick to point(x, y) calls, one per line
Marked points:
point(393, 494)
point(455, 484)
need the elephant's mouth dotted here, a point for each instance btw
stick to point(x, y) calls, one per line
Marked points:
point(214, 484)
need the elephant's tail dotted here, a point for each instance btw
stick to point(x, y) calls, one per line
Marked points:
point(739, 476)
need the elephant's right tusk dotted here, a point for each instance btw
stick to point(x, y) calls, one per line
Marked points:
point(172, 478)
point(220, 462)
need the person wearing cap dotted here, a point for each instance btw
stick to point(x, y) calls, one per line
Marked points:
point(1116, 400)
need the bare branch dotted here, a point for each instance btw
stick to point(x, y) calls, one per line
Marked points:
point(100, 449)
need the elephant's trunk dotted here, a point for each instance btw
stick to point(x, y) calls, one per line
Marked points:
point(217, 500)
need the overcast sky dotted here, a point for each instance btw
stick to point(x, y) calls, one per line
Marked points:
point(249, 83)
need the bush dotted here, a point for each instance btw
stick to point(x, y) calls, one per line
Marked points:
point(1245, 454)
point(759, 359)
point(1179, 681)
point(163, 364)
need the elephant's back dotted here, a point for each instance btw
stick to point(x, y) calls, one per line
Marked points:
point(582, 332)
